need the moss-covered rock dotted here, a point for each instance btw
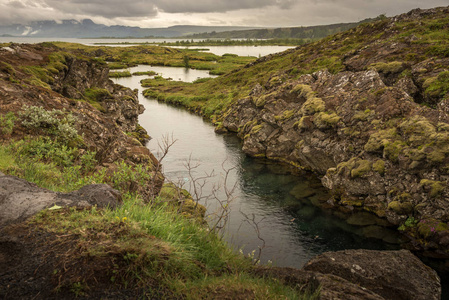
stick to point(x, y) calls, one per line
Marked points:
point(361, 168)
point(325, 120)
point(433, 187)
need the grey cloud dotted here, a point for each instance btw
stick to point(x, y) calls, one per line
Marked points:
point(108, 9)
point(206, 6)
point(16, 4)
point(112, 9)
point(241, 12)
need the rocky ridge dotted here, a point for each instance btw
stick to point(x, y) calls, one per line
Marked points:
point(374, 125)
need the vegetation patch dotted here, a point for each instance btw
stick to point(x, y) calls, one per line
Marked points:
point(437, 87)
point(388, 68)
point(324, 120)
point(433, 187)
point(361, 167)
point(120, 74)
point(147, 73)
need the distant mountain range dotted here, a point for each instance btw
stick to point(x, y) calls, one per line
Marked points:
point(308, 32)
point(88, 29)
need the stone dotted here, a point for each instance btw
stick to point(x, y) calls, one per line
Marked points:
point(20, 199)
point(390, 274)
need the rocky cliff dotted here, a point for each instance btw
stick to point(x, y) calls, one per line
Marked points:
point(367, 110)
point(104, 114)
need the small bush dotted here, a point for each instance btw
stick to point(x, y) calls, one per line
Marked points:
point(55, 122)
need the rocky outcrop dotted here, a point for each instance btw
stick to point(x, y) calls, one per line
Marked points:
point(106, 114)
point(376, 131)
point(20, 199)
point(363, 274)
point(390, 274)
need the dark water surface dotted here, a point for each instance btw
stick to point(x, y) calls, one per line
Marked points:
point(291, 227)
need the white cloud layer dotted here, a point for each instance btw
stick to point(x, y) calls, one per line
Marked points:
point(164, 13)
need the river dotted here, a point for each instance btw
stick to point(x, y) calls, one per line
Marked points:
point(270, 208)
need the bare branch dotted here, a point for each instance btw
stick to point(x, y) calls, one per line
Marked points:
point(255, 224)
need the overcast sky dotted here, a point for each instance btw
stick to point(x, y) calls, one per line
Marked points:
point(164, 13)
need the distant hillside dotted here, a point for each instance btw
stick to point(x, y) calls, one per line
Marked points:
point(88, 29)
point(309, 32)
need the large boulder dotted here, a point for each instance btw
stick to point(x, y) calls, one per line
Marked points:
point(390, 274)
point(20, 199)
point(361, 274)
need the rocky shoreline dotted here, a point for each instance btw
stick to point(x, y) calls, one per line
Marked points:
point(376, 132)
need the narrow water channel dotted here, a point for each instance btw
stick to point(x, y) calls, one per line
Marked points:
point(289, 228)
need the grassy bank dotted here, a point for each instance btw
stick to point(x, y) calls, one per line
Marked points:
point(153, 250)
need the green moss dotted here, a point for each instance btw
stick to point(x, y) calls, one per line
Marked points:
point(430, 226)
point(7, 68)
point(262, 100)
point(391, 67)
point(301, 124)
point(435, 187)
point(39, 76)
point(363, 115)
point(303, 90)
point(379, 166)
point(401, 205)
point(443, 127)
point(437, 86)
point(379, 139)
point(256, 129)
point(325, 120)
point(313, 105)
point(346, 166)
point(418, 130)
point(361, 168)
point(392, 150)
point(96, 94)
point(285, 115)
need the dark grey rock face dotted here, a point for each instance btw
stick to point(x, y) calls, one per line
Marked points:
point(362, 274)
point(390, 274)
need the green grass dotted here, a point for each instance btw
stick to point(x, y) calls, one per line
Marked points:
point(120, 74)
point(158, 250)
